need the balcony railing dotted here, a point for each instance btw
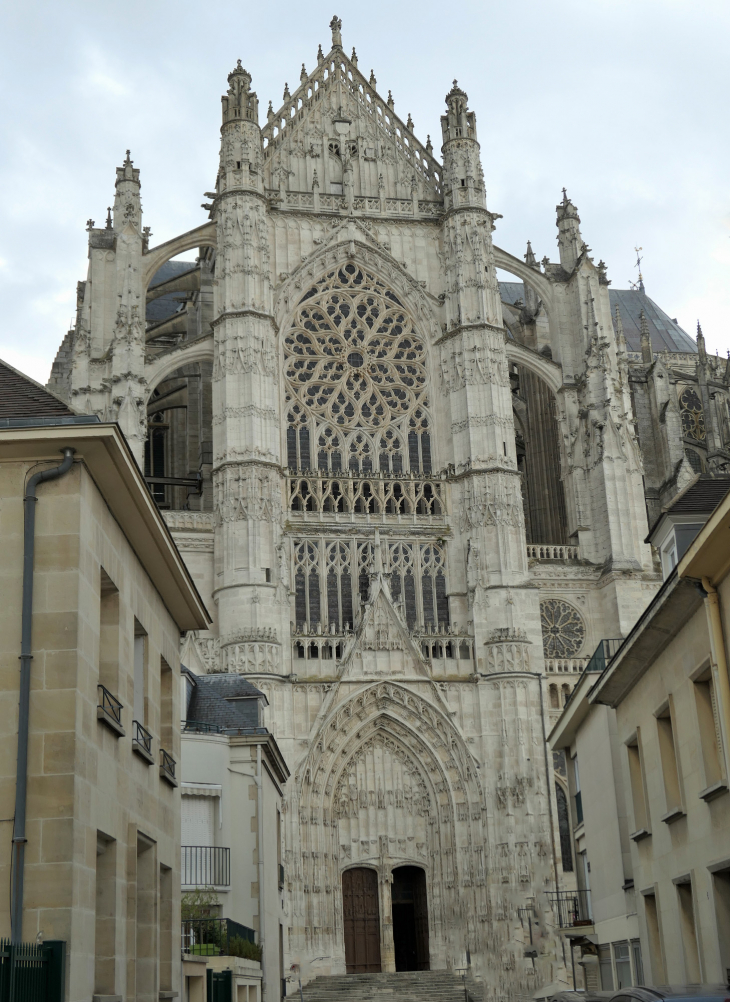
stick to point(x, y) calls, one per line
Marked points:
point(552, 551)
point(603, 654)
point(206, 866)
point(573, 908)
point(408, 495)
point(565, 666)
point(109, 710)
point(142, 741)
point(214, 937)
point(199, 727)
point(167, 767)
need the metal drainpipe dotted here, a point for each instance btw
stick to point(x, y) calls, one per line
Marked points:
point(21, 773)
point(260, 792)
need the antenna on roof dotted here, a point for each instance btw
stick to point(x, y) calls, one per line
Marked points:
point(638, 286)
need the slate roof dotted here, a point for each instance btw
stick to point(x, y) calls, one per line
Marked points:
point(666, 334)
point(22, 397)
point(701, 496)
point(164, 307)
point(226, 700)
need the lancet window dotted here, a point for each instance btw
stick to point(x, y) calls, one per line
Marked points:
point(332, 582)
point(356, 381)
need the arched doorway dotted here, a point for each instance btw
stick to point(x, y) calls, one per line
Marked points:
point(361, 916)
point(410, 919)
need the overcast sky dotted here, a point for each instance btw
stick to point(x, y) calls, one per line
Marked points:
point(624, 102)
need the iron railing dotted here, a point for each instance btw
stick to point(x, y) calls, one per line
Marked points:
point(603, 654)
point(167, 767)
point(200, 727)
point(573, 908)
point(214, 937)
point(32, 972)
point(109, 709)
point(141, 740)
point(206, 865)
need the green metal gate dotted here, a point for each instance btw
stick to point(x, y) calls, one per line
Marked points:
point(32, 972)
point(220, 986)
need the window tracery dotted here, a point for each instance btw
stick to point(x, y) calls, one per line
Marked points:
point(332, 582)
point(563, 629)
point(693, 417)
point(355, 380)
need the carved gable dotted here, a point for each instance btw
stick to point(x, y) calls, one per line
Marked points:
point(335, 130)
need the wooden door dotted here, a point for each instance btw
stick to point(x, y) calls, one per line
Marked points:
point(361, 916)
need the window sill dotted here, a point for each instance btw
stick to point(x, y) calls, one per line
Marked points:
point(107, 998)
point(640, 834)
point(674, 815)
point(139, 749)
point(113, 725)
point(715, 790)
point(169, 778)
point(167, 995)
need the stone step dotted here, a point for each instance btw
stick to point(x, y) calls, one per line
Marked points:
point(405, 986)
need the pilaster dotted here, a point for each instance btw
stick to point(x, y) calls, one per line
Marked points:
point(252, 600)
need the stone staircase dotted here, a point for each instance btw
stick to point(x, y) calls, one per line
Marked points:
point(406, 986)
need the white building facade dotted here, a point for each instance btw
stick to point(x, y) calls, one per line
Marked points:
point(410, 495)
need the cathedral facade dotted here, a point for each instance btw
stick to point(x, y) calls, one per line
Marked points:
point(414, 499)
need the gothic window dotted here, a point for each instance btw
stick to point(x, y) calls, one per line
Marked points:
point(564, 829)
point(332, 582)
point(694, 460)
point(356, 374)
point(563, 629)
point(693, 418)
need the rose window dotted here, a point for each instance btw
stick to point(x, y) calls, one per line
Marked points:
point(355, 370)
point(563, 629)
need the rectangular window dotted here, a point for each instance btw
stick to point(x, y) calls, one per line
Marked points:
point(688, 929)
point(105, 929)
point(638, 963)
point(653, 933)
point(622, 963)
point(146, 952)
point(109, 634)
point(166, 708)
point(578, 797)
point(605, 967)
point(670, 764)
point(638, 786)
point(709, 727)
point(721, 894)
point(166, 930)
point(140, 673)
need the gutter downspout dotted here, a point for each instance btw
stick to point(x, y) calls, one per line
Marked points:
point(260, 794)
point(26, 656)
point(720, 659)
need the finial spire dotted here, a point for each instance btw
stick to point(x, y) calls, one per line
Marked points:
point(373, 81)
point(701, 343)
point(530, 259)
point(336, 27)
point(353, 57)
point(320, 55)
point(409, 123)
point(390, 101)
point(109, 223)
point(287, 95)
point(620, 336)
point(303, 75)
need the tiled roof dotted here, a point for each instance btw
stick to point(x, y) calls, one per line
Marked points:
point(227, 700)
point(666, 334)
point(22, 397)
point(701, 496)
point(164, 307)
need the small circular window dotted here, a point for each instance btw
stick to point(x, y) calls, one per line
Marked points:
point(355, 359)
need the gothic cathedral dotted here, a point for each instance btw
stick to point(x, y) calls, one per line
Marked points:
point(413, 497)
